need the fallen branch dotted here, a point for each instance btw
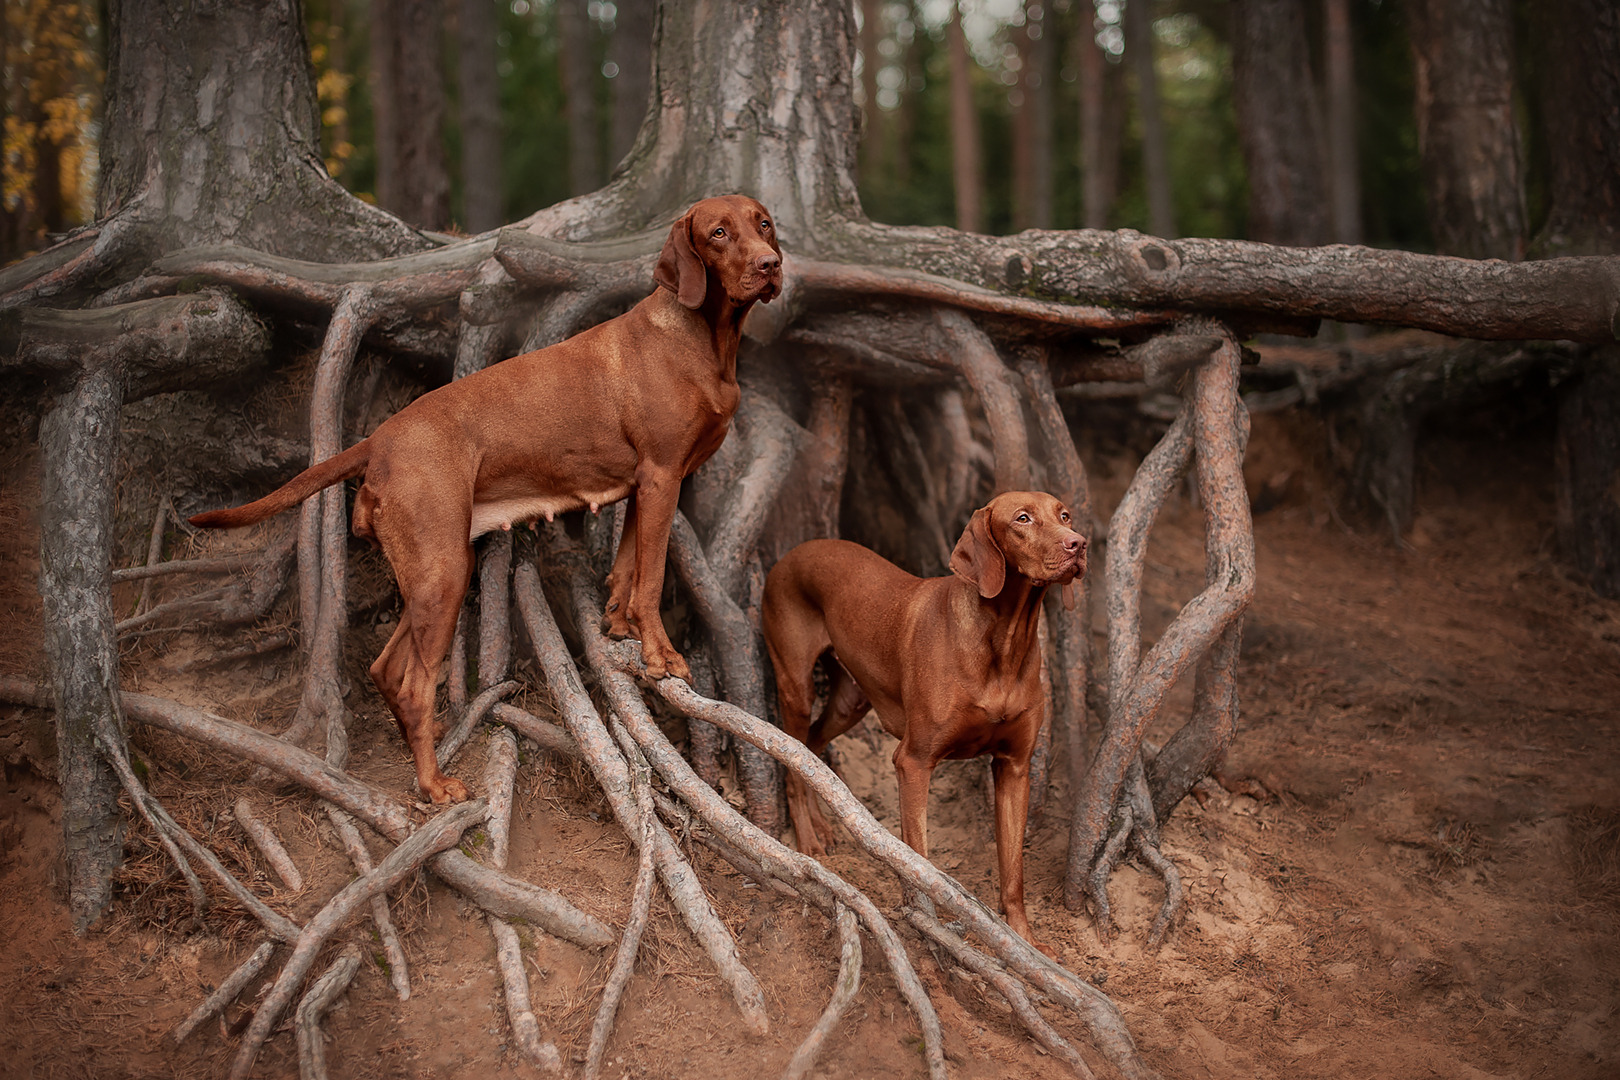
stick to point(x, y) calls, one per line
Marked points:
point(399, 971)
point(435, 836)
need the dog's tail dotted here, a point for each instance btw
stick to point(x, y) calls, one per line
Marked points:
point(352, 462)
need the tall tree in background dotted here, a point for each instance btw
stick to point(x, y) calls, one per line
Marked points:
point(1032, 146)
point(480, 117)
point(965, 164)
point(1579, 59)
point(1098, 141)
point(49, 69)
point(1343, 161)
point(408, 101)
point(1462, 52)
point(873, 145)
point(1278, 122)
point(1155, 156)
point(1578, 53)
point(579, 93)
point(630, 53)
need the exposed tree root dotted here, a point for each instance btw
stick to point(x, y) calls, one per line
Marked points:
point(269, 845)
point(226, 992)
point(435, 836)
point(322, 993)
point(624, 961)
point(399, 970)
point(845, 987)
point(613, 774)
point(1114, 788)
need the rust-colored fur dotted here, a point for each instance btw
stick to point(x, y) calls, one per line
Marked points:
point(952, 665)
point(626, 409)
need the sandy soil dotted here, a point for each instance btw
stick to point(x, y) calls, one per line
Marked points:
point(1432, 891)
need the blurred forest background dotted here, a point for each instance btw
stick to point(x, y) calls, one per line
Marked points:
point(1416, 124)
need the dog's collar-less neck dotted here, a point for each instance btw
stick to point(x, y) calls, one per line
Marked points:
point(1010, 619)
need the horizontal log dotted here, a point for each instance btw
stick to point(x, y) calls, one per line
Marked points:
point(1575, 299)
point(171, 343)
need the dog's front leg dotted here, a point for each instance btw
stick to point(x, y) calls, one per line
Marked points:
point(657, 492)
point(621, 580)
point(1011, 773)
point(914, 771)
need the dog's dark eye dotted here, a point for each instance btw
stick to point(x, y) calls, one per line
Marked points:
point(719, 234)
point(1065, 515)
point(1024, 518)
point(765, 225)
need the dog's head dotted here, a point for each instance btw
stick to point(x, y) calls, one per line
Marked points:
point(1022, 532)
point(731, 240)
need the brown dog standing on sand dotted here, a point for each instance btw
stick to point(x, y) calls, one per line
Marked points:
point(626, 409)
point(952, 665)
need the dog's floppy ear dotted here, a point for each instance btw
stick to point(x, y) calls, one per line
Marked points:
point(679, 268)
point(978, 559)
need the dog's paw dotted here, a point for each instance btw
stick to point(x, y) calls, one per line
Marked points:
point(449, 791)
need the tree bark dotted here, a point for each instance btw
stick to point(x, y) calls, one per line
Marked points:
point(482, 203)
point(80, 439)
point(1588, 456)
point(1032, 155)
point(1098, 150)
point(579, 93)
point(1344, 168)
point(965, 163)
point(211, 135)
point(873, 145)
point(1580, 111)
point(1462, 55)
point(1278, 122)
point(1155, 156)
point(413, 177)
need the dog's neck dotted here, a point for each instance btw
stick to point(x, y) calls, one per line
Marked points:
point(717, 321)
point(1007, 622)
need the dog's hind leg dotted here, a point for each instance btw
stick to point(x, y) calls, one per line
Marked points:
point(433, 563)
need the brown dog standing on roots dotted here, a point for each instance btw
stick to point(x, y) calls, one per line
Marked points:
point(626, 409)
point(952, 665)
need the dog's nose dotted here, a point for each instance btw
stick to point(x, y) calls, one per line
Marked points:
point(768, 262)
point(1074, 543)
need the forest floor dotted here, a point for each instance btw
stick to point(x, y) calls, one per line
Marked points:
point(1432, 890)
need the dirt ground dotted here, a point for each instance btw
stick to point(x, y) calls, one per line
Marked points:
point(1432, 891)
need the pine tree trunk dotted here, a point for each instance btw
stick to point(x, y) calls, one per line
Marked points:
point(1155, 156)
point(482, 204)
point(964, 131)
point(211, 134)
point(413, 176)
point(579, 94)
point(631, 52)
point(1463, 58)
point(1096, 186)
point(1278, 122)
point(1343, 158)
point(1579, 58)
